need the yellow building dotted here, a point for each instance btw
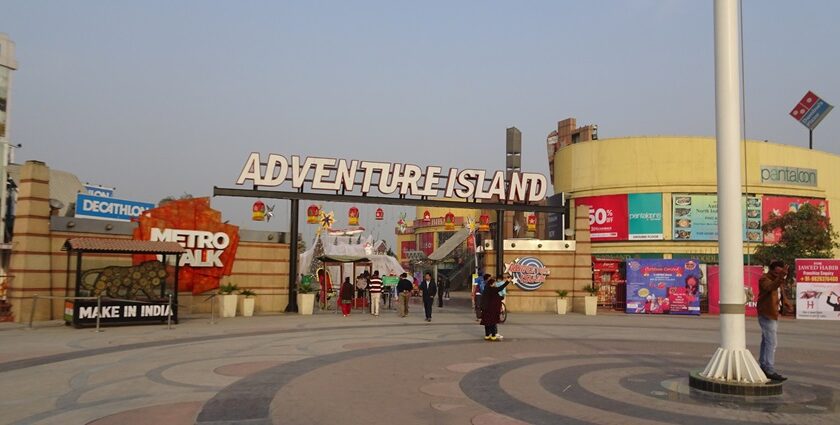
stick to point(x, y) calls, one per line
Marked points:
point(426, 235)
point(623, 180)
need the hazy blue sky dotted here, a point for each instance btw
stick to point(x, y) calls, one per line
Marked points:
point(162, 97)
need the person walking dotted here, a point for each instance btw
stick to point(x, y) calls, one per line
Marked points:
point(492, 306)
point(429, 289)
point(440, 284)
point(769, 286)
point(375, 288)
point(404, 287)
point(478, 289)
point(345, 296)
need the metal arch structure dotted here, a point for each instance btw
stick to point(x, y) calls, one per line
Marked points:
point(340, 196)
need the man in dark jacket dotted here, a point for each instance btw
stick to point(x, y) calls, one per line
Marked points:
point(429, 289)
point(768, 315)
point(404, 288)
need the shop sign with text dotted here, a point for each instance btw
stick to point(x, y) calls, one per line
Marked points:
point(789, 175)
point(210, 244)
point(695, 217)
point(529, 273)
point(818, 289)
point(607, 217)
point(330, 174)
point(106, 208)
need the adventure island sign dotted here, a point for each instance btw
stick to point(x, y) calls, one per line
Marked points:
point(332, 174)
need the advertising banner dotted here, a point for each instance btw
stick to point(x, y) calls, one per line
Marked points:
point(109, 208)
point(645, 216)
point(772, 206)
point(696, 217)
point(751, 276)
point(86, 312)
point(818, 289)
point(94, 190)
point(406, 246)
point(426, 242)
point(663, 286)
point(607, 217)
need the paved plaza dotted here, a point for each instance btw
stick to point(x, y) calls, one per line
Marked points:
point(326, 369)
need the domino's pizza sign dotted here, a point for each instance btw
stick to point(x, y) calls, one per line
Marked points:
point(529, 273)
point(811, 110)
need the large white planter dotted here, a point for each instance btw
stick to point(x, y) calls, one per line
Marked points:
point(246, 306)
point(562, 305)
point(591, 305)
point(227, 305)
point(305, 302)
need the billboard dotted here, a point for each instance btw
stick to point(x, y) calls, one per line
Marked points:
point(696, 217)
point(818, 289)
point(772, 206)
point(810, 110)
point(644, 216)
point(751, 276)
point(636, 216)
point(109, 208)
point(663, 286)
point(426, 242)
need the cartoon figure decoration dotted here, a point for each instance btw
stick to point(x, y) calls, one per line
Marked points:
point(532, 222)
point(401, 224)
point(353, 216)
point(258, 211)
point(380, 214)
point(313, 214)
point(449, 221)
point(484, 223)
point(427, 217)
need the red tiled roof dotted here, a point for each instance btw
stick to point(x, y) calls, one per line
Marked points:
point(125, 246)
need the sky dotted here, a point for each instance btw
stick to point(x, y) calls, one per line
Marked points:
point(162, 98)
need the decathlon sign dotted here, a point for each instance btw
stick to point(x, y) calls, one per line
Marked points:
point(528, 273)
point(332, 174)
point(109, 208)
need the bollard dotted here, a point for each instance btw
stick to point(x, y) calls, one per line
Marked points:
point(98, 312)
point(169, 318)
point(32, 312)
point(213, 309)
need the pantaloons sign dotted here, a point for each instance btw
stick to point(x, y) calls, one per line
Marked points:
point(330, 174)
point(789, 175)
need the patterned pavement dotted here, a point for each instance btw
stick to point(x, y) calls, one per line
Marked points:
point(289, 369)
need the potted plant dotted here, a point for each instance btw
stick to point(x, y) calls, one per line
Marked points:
point(306, 294)
point(227, 299)
point(247, 301)
point(562, 302)
point(591, 300)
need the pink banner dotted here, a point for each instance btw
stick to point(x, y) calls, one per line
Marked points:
point(751, 276)
point(607, 217)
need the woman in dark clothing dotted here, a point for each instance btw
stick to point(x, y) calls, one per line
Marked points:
point(345, 296)
point(491, 306)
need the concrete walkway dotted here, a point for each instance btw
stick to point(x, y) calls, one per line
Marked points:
point(549, 369)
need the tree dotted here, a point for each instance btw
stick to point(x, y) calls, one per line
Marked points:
point(805, 233)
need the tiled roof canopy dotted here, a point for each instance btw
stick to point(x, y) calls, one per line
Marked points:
point(122, 246)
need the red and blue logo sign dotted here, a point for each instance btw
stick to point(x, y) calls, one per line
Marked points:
point(811, 110)
point(528, 273)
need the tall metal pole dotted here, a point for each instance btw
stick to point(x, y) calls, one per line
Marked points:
point(500, 242)
point(292, 306)
point(732, 362)
point(810, 138)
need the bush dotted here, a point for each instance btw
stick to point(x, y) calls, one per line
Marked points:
point(228, 289)
point(247, 293)
point(591, 289)
point(562, 293)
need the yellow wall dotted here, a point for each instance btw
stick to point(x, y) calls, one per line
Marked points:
point(673, 164)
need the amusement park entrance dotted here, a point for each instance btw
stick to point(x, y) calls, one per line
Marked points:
point(380, 183)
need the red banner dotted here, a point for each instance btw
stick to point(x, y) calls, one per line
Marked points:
point(607, 217)
point(406, 246)
point(779, 205)
point(817, 270)
point(427, 242)
point(751, 276)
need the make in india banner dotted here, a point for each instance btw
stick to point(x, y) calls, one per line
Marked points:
point(818, 289)
point(696, 217)
point(663, 286)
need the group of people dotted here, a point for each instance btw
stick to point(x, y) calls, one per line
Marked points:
point(372, 283)
point(488, 295)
